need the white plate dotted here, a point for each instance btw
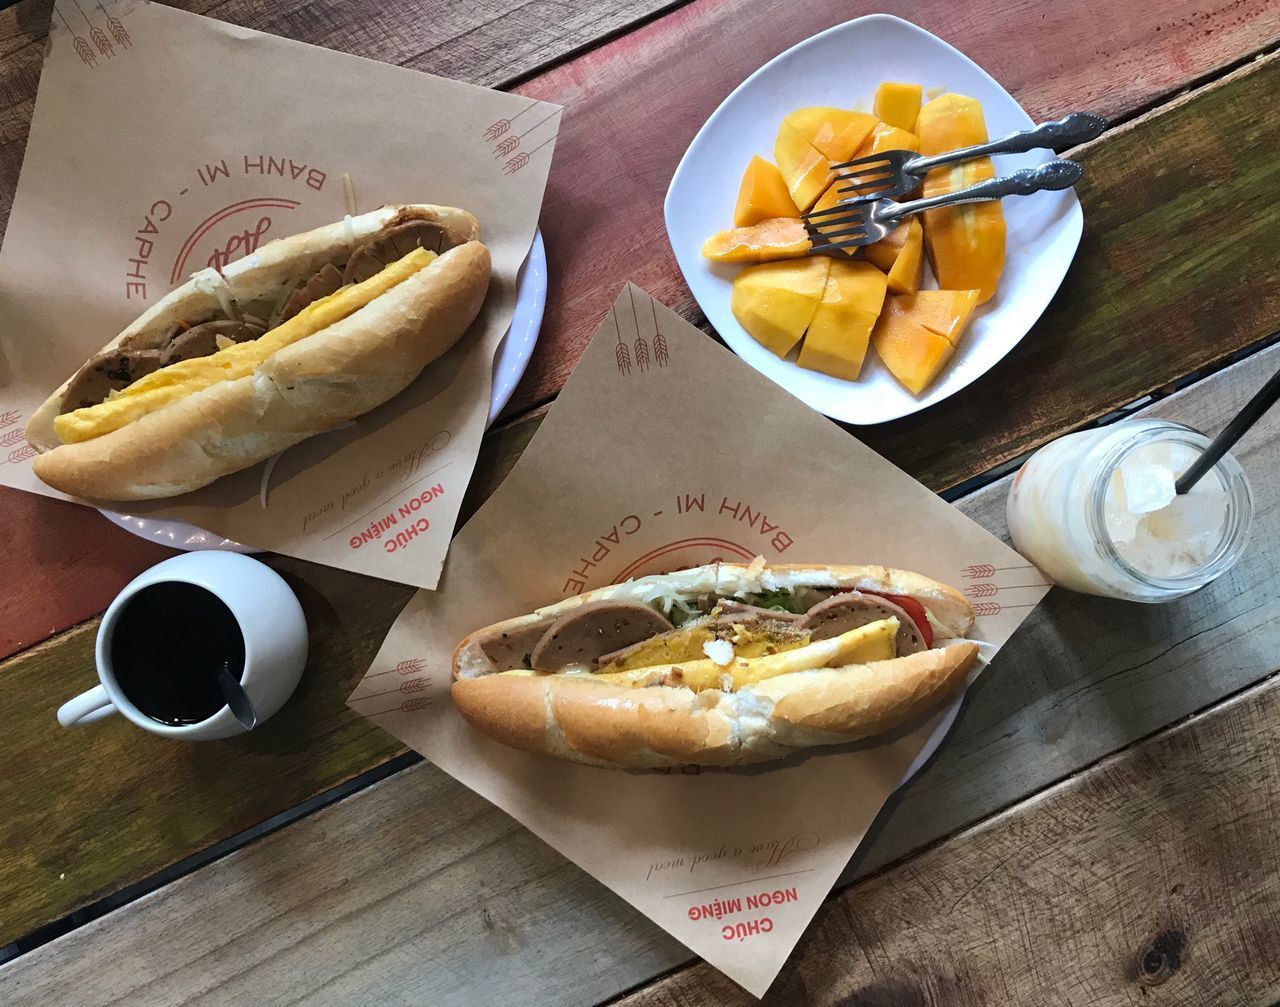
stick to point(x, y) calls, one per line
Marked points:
point(508, 368)
point(841, 67)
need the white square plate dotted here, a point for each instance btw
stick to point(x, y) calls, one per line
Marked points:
point(842, 66)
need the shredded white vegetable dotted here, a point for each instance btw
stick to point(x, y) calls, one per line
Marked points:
point(351, 230)
point(210, 281)
point(349, 191)
point(266, 477)
point(274, 318)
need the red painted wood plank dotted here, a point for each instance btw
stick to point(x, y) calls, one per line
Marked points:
point(60, 564)
point(633, 105)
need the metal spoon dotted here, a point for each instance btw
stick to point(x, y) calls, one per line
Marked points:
point(239, 701)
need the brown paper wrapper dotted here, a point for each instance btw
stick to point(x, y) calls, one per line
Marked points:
point(665, 451)
point(163, 142)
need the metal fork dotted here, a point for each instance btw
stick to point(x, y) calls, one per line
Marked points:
point(897, 172)
point(857, 222)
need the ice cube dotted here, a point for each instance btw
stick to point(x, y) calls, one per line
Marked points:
point(1187, 516)
point(1122, 524)
point(1147, 487)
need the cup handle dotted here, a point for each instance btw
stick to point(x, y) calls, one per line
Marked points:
point(88, 706)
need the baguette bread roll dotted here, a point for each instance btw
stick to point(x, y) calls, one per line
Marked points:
point(582, 718)
point(307, 387)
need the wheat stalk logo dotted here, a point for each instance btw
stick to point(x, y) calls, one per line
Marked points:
point(21, 454)
point(660, 353)
point(417, 703)
point(9, 418)
point(623, 356)
point(512, 142)
point(986, 608)
point(979, 571)
point(97, 34)
point(981, 590)
point(642, 348)
point(80, 45)
point(9, 439)
point(515, 164)
point(503, 126)
point(412, 666)
point(100, 40)
point(117, 29)
point(413, 685)
point(498, 129)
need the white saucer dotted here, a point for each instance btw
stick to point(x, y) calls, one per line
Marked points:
point(509, 365)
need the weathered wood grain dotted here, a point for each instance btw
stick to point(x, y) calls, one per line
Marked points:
point(415, 890)
point(50, 552)
point(633, 106)
point(1149, 878)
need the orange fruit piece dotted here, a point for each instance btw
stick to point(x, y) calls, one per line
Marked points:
point(762, 195)
point(779, 238)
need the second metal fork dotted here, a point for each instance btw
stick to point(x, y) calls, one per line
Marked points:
point(897, 172)
point(859, 222)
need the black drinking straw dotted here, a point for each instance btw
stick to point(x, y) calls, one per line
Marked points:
point(1232, 432)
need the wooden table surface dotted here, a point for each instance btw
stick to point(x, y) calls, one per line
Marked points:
point(1100, 826)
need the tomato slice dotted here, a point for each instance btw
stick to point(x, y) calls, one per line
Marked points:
point(908, 604)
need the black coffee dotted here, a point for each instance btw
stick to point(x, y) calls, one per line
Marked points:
point(170, 643)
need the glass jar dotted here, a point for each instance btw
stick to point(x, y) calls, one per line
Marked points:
point(1092, 511)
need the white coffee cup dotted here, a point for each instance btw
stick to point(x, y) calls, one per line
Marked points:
point(270, 621)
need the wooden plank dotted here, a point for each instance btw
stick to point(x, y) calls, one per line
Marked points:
point(615, 156)
point(488, 42)
point(416, 885)
point(52, 552)
point(1150, 875)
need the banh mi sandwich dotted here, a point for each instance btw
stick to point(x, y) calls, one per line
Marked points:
point(718, 665)
point(300, 336)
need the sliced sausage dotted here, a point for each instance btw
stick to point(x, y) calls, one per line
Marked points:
point(202, 340)
point(106, 372)
point(843, 612)
point(392, 244)
point(512, 649)
point(322, 284)
point(733, 610)
point(597, 628)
